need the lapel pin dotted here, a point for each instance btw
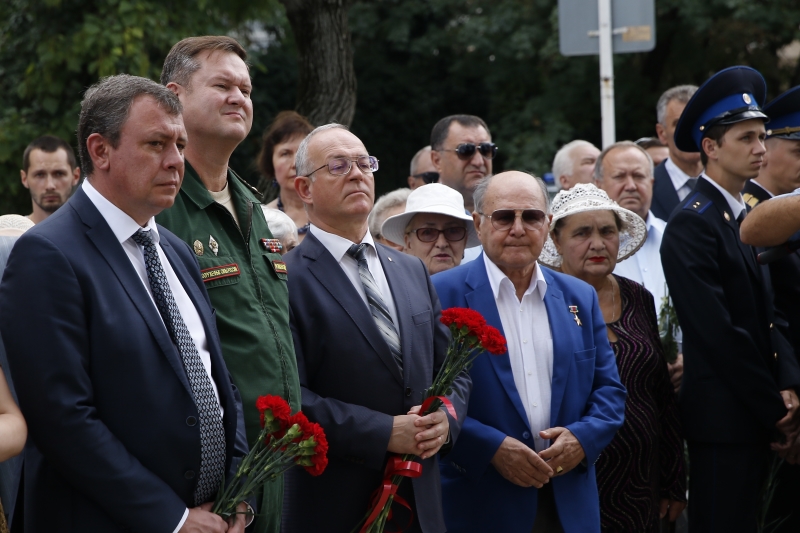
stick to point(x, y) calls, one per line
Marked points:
point(574, 310)
point(198, 247)
point(726, 215)
point(212, 243)
point(389, 258)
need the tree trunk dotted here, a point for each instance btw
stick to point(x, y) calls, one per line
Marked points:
point(326, 88)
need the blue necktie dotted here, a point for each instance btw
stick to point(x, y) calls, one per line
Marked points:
point(380, 313)
point(212, 433)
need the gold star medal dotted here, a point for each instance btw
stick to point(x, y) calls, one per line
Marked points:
point(213, 245)
point(574, 310)
point(198, 247)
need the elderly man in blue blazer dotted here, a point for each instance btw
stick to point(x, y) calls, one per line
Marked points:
point(540, 414)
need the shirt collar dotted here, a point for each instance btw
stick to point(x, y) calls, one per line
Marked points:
point(735, 204)
point(337, 245)
point(120, 222)
point(497, 278)
point(654, 224)
point(754, 182)
point(678, 176)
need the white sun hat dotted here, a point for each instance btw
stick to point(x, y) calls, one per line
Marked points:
point(14, 225)
point(432, 198)
point(586, 197)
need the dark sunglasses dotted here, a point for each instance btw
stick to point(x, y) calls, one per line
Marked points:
point(503, 219)
point(452, 234)
point(427, 177)
point(467, 150)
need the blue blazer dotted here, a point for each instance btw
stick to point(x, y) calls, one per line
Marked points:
point(114, 443)
point(587, 398)
point(352, 386)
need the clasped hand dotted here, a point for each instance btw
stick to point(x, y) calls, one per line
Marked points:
point(419, 435)
point(789, 425)
point(522, 466)
point(202, 520)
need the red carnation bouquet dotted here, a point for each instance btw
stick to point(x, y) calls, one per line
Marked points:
point(285, 440)
point(471, 336)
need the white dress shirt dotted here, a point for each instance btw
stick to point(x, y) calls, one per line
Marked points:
point(338, 246)
point(680, 180)
point(530, 345)
point(735, 203)
point(124, 227)
point(644, 266)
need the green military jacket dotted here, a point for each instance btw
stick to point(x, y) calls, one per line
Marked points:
point(247, 286)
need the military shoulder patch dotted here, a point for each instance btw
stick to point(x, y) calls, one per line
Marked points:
point(219, 272)
point(750, 200)
point(697, 202)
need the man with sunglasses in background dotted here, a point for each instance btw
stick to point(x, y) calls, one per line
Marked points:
point(462, 151)
point(368, 339)
point(422, 169)
point(540, 414)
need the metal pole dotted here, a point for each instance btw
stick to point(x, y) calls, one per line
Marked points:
point(606, 73)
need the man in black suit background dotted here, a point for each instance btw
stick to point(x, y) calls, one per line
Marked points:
point(132, 417)
point(740, 375)
point(368, 340)
point(674, 177)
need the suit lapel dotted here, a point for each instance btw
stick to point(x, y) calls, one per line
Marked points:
point(107, 245)
point(481, 299)
point(402, 303)
point(664, 192)
point(561, 322)
point(329, 273)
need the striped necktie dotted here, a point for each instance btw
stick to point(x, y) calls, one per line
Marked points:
point(380, 313)
point(212, 433)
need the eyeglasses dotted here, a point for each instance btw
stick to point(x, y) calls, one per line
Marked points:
point(467, 150)
point(452, 234)
point(427, 177)
point(503, 219)
point(341, 166)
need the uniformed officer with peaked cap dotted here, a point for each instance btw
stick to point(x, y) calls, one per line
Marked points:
point(780, 174)
point(738, 387)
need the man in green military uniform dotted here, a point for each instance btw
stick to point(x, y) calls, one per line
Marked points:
point(218, 215)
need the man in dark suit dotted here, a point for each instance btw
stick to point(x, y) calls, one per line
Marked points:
point(780, 174)
point(132, 417)
point(541, 413)
point(740, 375)
point(675, 176)
point(368, 340)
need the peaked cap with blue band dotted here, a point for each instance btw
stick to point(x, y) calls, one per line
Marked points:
point(732, 95)
point(784, 115)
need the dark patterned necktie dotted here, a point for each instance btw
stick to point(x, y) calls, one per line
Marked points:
point(380, 313)
point(212, 433)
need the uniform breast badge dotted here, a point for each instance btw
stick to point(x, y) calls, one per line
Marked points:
point(574, 310)
point(213, 244)
point(198, 247)
point(272, 245)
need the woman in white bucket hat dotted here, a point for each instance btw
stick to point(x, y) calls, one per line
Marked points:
point(589, 234)
point(434, 227)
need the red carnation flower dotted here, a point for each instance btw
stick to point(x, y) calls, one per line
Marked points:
point(463, 317)
point(492, 340)
point(320, 457)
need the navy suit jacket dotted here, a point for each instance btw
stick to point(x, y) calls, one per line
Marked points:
point(113, 440)
point(665, 197)
point(587, 398)
point(352, 386)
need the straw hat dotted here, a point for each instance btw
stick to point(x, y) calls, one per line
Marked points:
point(432, 198)
point(14, 225)
point(586, 197)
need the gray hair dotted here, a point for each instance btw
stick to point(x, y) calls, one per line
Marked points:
point(280, 224)
point(388, 201)
point(302, 162)
point(563, 164)
point(415, 160)
point(598, 166)
point(681, 93)
point(483, 186)
point(106, 105)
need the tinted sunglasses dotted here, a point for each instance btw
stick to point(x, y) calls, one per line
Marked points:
point(427, 177)
point(467, 150)
point(503, 219)
point(452, 234)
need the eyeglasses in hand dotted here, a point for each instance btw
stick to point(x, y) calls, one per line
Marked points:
point(341, 166)
point(503, 219)
point(465, 151)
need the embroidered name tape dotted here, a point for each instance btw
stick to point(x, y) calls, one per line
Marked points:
point(219, 272)
point(279, 266)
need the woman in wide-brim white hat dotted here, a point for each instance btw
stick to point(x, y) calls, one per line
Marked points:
point(434, 227)
point(589, 234)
